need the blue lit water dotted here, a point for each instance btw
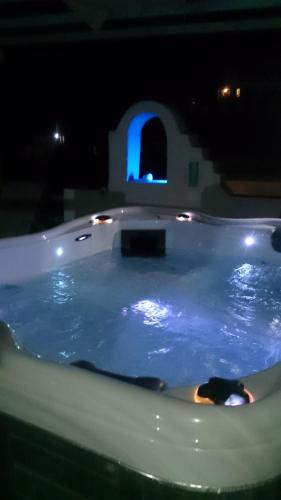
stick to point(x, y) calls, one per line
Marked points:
point(180, 319)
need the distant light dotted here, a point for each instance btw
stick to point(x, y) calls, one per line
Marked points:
point(59, 251)
point(58, 136)
point(249, 241)
point(238, 92)
point(224, 91)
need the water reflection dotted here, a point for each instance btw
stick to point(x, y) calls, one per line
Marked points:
point(154, 313)
point(63, 287)
point(244, 282)
point(255, 307)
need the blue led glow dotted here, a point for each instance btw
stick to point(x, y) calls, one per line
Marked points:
point(134, 150)
point(145, 181)
point(148, 177)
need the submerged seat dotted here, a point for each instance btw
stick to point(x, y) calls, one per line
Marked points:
point(151, 383)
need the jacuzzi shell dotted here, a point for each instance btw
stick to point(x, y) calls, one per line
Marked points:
point(168, 437)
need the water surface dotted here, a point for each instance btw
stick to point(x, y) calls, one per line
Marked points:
point(175, 317)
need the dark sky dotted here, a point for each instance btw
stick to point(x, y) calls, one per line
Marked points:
point(104, 77)
point(87, 87)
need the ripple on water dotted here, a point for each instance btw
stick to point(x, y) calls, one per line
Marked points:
point(177, 318)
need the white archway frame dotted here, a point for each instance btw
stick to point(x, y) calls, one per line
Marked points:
point(184, 160)
point(131, 126)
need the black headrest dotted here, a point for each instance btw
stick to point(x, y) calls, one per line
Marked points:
point(151, 383)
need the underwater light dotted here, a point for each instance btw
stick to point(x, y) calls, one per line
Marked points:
point(235, 400)
point(102, 219)
point(249, 241)
point(83, 237)
point(59, 251)
point(184, 217)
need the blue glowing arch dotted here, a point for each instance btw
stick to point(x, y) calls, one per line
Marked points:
point(134, 150)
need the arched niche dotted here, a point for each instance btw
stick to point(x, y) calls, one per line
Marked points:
point(186, 172)
point(145, 163)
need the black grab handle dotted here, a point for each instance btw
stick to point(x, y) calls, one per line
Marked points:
point(152, 383)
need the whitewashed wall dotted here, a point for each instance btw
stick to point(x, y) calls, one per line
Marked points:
point(180, 152)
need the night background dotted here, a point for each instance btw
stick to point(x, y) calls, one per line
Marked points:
point(82, 89)
point(155, 261)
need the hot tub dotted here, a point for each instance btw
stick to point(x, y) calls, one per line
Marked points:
point(174, 296)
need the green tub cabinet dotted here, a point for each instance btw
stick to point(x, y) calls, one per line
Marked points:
point(38, 465)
